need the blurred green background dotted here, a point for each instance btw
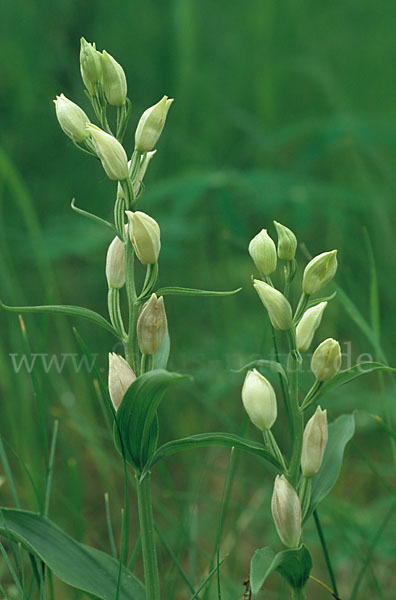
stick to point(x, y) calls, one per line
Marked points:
point(283, 110)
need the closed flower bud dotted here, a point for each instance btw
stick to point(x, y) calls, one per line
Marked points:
point(286, 512)
point(309, 323)
point(151, 125)
point(115, 264)
point(259, 400)
point(111, 153)
point(263, 252)
point(319, 271)
point(113, 80)
point(145, 236)
point(151, 325)
point(314, 443)
point(71, 118)
point(278, 308)
point(326, 360)
point(121, 377)
point(287, 242)
point(90, 66)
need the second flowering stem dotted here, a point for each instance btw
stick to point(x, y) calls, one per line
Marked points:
point(296, 414)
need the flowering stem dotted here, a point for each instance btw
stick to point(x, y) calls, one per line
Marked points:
point(147, 532)
point(113, 302)
point(296, 414)
point(130, 345)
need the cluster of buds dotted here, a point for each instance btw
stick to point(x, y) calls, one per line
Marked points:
point(106, 84)
point(99, 70)
point(290, 501)
point(105, 81)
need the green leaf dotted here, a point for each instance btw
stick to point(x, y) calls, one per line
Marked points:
point(294, 565)
point(360, 321)
point(264, 364)
point(349, 375)
point(137, 415)
point(161, 357)
point(180, 291)
point(211, 439)
point(92, 217)
point(69, 311)
point(80, 566)
point(340, 432)
point(316, 301)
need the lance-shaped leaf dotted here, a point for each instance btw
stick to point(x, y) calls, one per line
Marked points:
point(69, 311)
point(339, 434)
point(294, 565)
point(137, 415)
point(180, 291)
point(264, 364)
point(211, 439)
point(82, 567)
point(348, 375)
point(92, 217)
point(315, 301)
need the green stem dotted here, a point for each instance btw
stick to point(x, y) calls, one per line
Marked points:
point(273, 447)
point(325, 551)
point(285, 395)
point(299, 594)
point(302, 304)
point(305, 495)
point(147, 534)
point(130, 344)
point(297, 417)
point(113, 303)
point(311, 395)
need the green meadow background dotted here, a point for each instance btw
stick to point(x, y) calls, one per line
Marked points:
point(283, 110)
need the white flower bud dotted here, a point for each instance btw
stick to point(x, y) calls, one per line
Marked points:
point(115, 264)
point(319, 271)
point(151, 325)
point(90, 66)
point(111, 153)
point(145, 236)
point(151, 125)
point(121, 376)
point(287, 242)
point(286, 512)
point(259, 400)
point(309, 323)
point(113, 80)
point(263, 252)
point(278, 307)
point(71, 118)
point(314, 443)
point(326, 360)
